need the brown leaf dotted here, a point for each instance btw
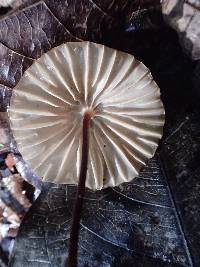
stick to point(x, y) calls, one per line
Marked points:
point(12, 65)
point(33, 31)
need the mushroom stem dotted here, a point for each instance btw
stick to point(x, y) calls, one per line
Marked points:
point(77, 210)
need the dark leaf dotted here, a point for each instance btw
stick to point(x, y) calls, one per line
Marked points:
point(116, 226)
point(124, 8)
point(12, 65)
point(83, 18)
point(33, 31)
point(180, 157)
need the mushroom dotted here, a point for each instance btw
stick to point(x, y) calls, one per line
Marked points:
point(86, 114)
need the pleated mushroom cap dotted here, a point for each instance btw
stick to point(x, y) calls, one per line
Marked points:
point(48, 104)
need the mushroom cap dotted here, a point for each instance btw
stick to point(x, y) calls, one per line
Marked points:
point(48, 104)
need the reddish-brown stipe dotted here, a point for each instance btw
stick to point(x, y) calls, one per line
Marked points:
point(77, 210)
